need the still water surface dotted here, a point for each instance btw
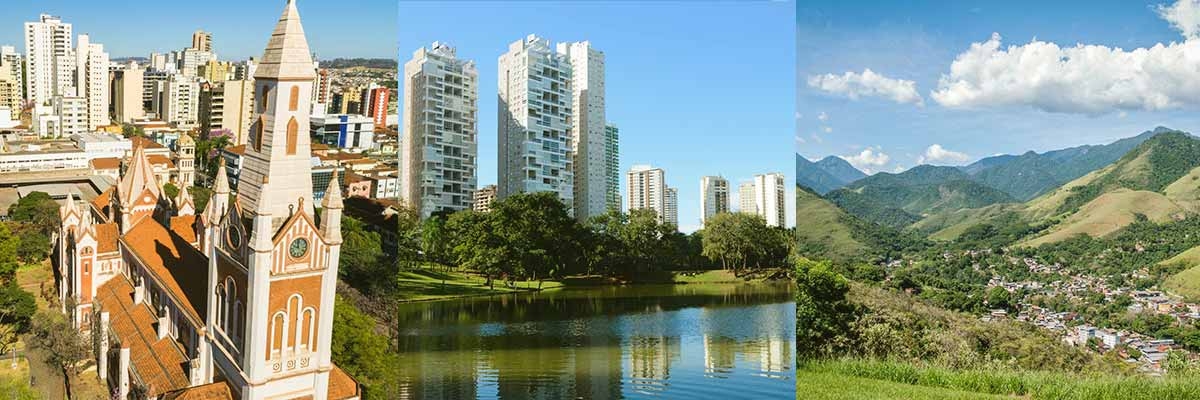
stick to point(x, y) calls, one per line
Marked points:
point(693, 342)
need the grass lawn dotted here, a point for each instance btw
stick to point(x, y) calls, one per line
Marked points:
point(830, 386)
point(427, 285)
point(438, 284)
point(884, 379)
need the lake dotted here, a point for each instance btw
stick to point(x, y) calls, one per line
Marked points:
point(698, 341)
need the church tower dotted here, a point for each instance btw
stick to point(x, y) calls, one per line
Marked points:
point(273, 268)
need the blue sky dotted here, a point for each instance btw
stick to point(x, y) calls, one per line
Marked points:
point(343, 28)
point(697, 88)
point(992, 101)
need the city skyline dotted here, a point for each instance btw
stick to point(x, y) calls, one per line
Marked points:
point(663, 94)
point(235, 36)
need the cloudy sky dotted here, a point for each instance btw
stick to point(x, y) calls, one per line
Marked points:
point(891, 86)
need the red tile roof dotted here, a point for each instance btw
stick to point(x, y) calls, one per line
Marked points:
point(157, 159)
point(177, 267)
point(106, 163)
point(145, 143)
point(185, 227)
point(212, 391)
point(106, 237)
point(342, 386)
point(158, 363)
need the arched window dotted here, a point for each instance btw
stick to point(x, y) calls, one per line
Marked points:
point(294, 305)
point(262, 98)
point(292, 130)
point(278, 327)
point(258, 134)
point(294, 99)
point(220, 303)
point(307, 325)
point(228, 305)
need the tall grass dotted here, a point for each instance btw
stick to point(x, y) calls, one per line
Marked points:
point(1006, 381)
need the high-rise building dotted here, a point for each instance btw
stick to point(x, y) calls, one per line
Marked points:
point(439, 147)
point(647, 188)
point(535, 121)
point(50, 67)
point(227, 105)
point(714, 197)
point(214, 71)
point(344, 131)
point(671, 207)
point(127, 94)
point(321, 88)
point(746, 202)
point(375, 103)
point(190, 60)
point(72, 115)
point(91, 81)
point(12, 61)
point(482, 199)
point(177, 101)
point(10, 93)
point(612, 167)
point(202, 41)
point(769, 197)
point(588, 144)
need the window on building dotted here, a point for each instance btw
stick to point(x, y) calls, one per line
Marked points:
point(293, 129)
point(294, 99)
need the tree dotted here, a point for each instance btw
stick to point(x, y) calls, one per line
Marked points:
point(477, 244)
point(823, 314)
point(17, 306)
point(200, 196)
point(739, 240)
point(33, 247)
point(362, 257)
point(435, 241)
point(170, 190)
point(357, 348)
point(62, 344)
point(36, 209)
point(9, 253)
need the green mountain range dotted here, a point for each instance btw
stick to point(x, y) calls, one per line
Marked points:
point(1086, 190)
point(828, 174)
point(899, 200)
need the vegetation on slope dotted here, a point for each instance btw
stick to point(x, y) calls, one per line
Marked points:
point(899, 200)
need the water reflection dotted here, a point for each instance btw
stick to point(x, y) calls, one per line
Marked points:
point(690, 341)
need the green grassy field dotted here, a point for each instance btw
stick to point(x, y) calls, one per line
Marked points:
point(1187, 282)
point(436, 284)
point(428, 285)
point(830, 386)
point(879, 379)
point(1110, 212)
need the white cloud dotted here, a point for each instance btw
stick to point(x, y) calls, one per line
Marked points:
point(827, 129)
point(816, 138)
point(1082, 79)
point(1184, 16)
point(868, 84)
point(800, 140)
point(823, 116)
point(936, 154)
point(799, 115)
point(869, 160)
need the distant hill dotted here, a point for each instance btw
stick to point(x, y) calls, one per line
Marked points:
point(381, 63)
point(822, 230)
point(825, 175)
point(840, 169)
point(1158, 180)
point(1031, 174)
point(902, 199)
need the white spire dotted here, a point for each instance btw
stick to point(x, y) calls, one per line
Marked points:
point(287, 55)
point(333, 193)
